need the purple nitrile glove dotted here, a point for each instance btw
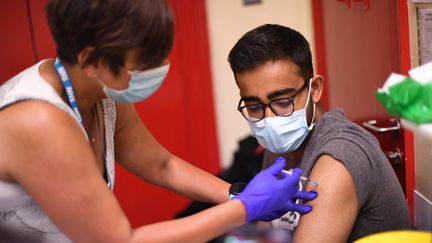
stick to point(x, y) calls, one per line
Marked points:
point(270, 194)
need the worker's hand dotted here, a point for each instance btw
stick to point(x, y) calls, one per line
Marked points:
point(270, 194)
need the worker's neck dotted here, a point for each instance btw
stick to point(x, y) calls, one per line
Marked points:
point(88, 90)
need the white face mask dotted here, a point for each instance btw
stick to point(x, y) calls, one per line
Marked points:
point(281, 134)
point(141, 85)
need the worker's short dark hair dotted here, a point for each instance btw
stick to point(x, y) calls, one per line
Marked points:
point(112, 28)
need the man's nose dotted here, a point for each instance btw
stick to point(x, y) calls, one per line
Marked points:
point(268, 112)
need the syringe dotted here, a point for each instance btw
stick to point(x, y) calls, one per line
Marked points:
point(302, 178)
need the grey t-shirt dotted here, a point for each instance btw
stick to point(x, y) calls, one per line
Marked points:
point(382, 205)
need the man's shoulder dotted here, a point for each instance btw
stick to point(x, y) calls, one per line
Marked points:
point(335, 125)
point(333, 120)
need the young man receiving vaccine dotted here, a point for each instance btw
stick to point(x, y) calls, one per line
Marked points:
point(280, 94)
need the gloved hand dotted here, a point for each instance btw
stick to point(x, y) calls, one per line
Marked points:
point(270, 194)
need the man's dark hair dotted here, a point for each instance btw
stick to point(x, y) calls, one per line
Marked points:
point(271, 42)
point(112, 28)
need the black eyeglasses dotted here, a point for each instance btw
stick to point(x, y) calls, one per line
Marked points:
point(280, 107)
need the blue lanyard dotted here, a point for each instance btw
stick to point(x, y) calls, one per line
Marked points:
point(61, 71)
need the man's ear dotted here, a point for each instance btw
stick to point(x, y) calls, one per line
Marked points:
point(90, 69)
point(317, 87)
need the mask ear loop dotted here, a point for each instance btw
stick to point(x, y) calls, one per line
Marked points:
point(314, 106)
point(104, 87)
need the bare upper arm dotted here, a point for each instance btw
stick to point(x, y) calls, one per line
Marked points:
point(49, 156)
point(335, 209)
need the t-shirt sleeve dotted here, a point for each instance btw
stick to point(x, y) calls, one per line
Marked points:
point(355, 160)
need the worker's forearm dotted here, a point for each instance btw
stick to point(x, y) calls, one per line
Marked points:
point(194, 183)
point(200, 227)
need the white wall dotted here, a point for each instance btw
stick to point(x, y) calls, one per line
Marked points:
point(227, 21)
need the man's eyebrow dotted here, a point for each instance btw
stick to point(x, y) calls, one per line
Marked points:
point(280, 92)
point(270, 96)
point(250, 98)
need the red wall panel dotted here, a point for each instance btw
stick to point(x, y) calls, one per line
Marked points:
point(44, 43)
point(16, 49)
point(404, 50)
point(361, 50)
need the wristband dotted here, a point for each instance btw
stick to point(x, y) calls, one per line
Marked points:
point(235, 189)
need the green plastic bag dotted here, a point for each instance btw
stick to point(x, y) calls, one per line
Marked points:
point(409, 97)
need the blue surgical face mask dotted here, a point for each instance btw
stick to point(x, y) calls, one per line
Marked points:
point(281, 134)
point(141, 85)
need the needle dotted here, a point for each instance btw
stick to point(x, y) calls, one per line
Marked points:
point(302, 178)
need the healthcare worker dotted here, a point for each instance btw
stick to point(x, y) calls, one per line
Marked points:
point(64, 121)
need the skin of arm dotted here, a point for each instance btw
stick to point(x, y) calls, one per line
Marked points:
point(140, 153)
point(49, 156)
point(335, 210)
